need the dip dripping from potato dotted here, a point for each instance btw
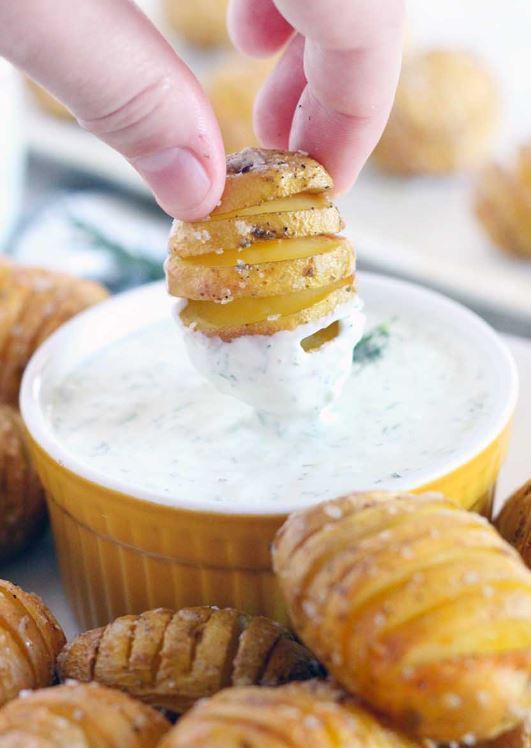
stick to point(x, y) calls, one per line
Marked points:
point(267, 287)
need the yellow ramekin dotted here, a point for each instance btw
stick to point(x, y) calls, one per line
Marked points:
point(122, 553)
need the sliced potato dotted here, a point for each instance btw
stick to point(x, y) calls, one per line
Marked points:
point(262, 270)
point(300, 215)
point(265, 316)
point(257, 175)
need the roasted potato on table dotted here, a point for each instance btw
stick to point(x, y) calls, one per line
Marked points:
point(33, 303)
point(503, 204)
point(30, 640)
point(514, 521)
point(22, 503)
point(79, 716)
point(444, 118)
point(172, 659)
point(418, 607)
point(315, 714)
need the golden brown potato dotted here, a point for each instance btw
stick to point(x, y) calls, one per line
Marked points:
point(79, 716)
point(49, 103)
point(514, 521)
point(444, 118)
point(300, 215)
point(30, 640)
point(22, 505)
point(265, 316)
point(232, 89)
point(200, 22)
point(172, 659)
point(257, 175)
point(503, 204)
point(266, 260)
point(267, 268)
point(315, 714)
point(420, 608)
point(33, 304)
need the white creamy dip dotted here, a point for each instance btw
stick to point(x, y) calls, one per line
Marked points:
point(138, 412)
point(273, 373)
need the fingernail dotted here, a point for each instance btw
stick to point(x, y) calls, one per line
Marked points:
point(178, 179)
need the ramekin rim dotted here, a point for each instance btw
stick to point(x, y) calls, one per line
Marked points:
point(35, 420)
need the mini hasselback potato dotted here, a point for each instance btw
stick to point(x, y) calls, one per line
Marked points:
point(503, 204)
point(33, 303)
point(444, 117)
point(420, 608)
point(514, 521)
point(315, 714)
point(22, 505)
point(30, 640)
point(172, 659)
point(79, 716)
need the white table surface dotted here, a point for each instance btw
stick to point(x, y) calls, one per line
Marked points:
point(37, 571)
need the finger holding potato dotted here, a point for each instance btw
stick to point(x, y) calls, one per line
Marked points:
point(416, 606)
point(33, 303)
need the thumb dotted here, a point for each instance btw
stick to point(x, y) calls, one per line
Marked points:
point(124, 83)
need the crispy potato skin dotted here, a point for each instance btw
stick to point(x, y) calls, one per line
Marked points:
point(204, 283)
point(420, 608)
point(34, 303)
point(80, 716)
point(30, 640)
point(503, 204)
point(271, 198)
point(444, 118)
point(203, 237)
point(22, 504)
point(257, 175)
point(172, 659)
point(314, 714)
point(514, 521)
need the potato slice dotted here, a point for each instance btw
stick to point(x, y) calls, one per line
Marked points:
point(268, 268)
point(265, 316)
point(257, 175)
point(303, 214)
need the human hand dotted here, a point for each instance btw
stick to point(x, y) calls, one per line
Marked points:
point(333, 87)
point(124, 82)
